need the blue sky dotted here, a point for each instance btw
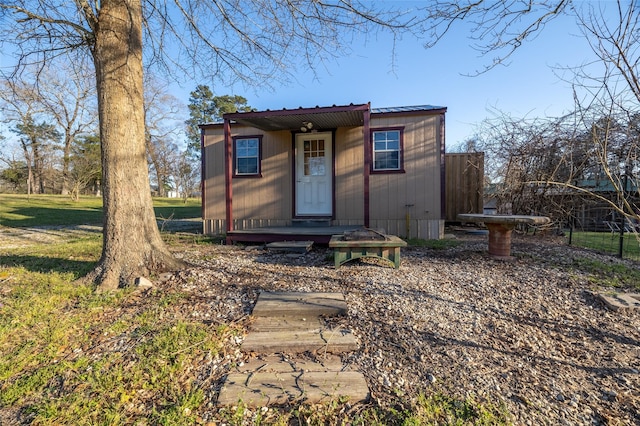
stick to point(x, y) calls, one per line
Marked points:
point(527, 87)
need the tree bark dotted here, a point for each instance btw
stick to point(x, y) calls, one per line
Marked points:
point(132, 244)
point(27, 157)
point(38, 167)
point(65, 164)
point(153, 157)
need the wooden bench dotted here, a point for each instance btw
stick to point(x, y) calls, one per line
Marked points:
point(387, 249)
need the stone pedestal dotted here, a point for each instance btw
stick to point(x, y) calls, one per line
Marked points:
point(500, 240)
point(500, 227)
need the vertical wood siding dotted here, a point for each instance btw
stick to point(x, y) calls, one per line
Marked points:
point(399, 202)
point(411, 199)
point(464, 184)
point(349, 182)
point(268, 197)
point(265, 199)
point(213, 175)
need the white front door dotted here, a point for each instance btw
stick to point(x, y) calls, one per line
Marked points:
point(314, 174)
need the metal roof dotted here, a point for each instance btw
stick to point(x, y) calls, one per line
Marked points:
point(292, 119)
point(415, 108)
point(320, 118)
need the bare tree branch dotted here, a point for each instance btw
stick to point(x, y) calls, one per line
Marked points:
point(497, 27)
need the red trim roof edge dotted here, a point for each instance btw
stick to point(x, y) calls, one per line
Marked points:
point(281, 112)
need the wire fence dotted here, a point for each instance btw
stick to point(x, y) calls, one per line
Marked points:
point(612, 237)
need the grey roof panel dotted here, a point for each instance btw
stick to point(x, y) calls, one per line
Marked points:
point(414, 108)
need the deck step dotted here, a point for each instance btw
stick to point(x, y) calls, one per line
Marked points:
point(299, 304)
point(276, 380)
point(318, 340)
point(290, 246)
point(311, 223)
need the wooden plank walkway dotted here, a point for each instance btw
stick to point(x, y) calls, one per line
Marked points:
point(299, 305)
point(297, 336)
point(286, 325)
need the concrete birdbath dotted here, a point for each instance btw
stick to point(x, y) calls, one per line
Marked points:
point(500, 227)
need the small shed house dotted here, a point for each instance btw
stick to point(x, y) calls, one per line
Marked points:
point(338, 166)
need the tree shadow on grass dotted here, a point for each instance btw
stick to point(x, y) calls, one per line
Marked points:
point(44, 265)
point(50, 216)
point(178, 212)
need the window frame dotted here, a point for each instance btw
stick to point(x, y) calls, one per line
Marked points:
point(400, 169)
point(235, 140)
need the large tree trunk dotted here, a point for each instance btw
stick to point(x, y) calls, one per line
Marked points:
point(132, 244)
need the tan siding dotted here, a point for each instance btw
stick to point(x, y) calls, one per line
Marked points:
point(214, 206)
point(255, 200)
point(396, 200)
point(349, 179)
point(412, 197)
point(430, 229)
point(267, 197)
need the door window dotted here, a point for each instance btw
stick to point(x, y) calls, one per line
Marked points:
point(314, 164)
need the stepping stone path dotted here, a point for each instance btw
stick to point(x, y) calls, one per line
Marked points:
point(624, 302)
point(294, 355)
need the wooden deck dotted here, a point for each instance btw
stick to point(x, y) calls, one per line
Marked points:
point(317, 234)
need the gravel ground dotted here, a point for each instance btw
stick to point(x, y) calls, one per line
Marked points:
point(528, 333)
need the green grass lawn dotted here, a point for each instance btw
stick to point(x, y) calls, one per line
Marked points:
point(608, 243)
point(58, 360)
point(60, 356)
point(57, 210)
point(69, 355)
point(603, 272)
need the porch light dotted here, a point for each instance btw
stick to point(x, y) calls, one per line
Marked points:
point(306, 125)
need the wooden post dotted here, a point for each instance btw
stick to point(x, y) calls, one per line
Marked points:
point(203, 174)
point(228, 175)
point(443, 173)
point(367, 162)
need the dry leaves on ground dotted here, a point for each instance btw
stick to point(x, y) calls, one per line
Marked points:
point(527, 333)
